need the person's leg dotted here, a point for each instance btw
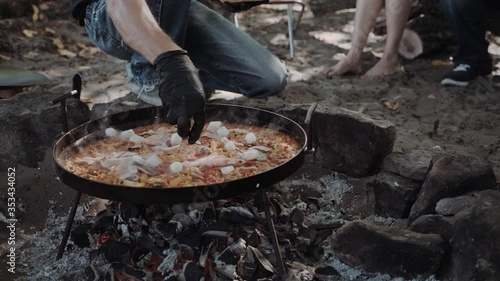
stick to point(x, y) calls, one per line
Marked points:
point(228, 58)
point(364, 19)
point(397, 12)
point(468, 20)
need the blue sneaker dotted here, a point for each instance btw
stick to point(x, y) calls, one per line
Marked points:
point(147, 93)
point(462, 74)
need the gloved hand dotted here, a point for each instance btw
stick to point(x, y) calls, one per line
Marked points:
point(181, 92)
point(235, 7)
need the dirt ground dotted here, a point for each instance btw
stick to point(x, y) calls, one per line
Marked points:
point(468, 118)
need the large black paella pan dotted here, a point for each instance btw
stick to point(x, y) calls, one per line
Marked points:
point(94, 130)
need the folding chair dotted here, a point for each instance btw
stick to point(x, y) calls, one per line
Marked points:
point(291, 27)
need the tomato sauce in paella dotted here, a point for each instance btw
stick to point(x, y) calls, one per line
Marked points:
point(156, 156)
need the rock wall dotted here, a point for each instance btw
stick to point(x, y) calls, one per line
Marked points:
point(31, 125)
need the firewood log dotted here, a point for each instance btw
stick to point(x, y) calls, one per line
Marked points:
point(425, 35)
point(427, 30)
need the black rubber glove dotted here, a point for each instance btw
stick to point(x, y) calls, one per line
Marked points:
point(242, 6)
point(181, 92)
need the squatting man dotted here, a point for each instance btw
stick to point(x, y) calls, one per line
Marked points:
point(178, 50)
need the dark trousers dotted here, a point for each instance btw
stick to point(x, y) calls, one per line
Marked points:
point(468, 20)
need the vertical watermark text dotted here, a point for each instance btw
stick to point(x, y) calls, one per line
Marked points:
point(11, 219)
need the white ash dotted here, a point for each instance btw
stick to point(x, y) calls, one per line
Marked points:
point(200, 206)
point(240, 210)
point(322, 217)
point(353, 274)
point(39, 251)
point(178, 228)
point(382, 220)
point(195, 215)
point(123, 227)
point(3, 218)
point(350, 273)
point(291, 184)
point(168, 262)
point(239, 247)
point(21, 207)
point(226, 270)
point(302, 206)
point(299, 275)
point(344, 270)
point(332, 187)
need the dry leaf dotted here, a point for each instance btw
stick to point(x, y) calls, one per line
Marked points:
point(50, 30)
point(86, 100)
point(80, 45)
point(440, 63)
point(391, 106)
point(89, 53)
point(395, 106)
point(4, 57)
point(29, 33)
point(53, 73)
point(36, 13)
point(31, 55)
point(66, 53)
point(58, 42)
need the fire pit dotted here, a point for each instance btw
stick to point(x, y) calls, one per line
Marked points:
point(144, 198)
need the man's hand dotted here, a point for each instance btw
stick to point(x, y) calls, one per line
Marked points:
point(181, 92)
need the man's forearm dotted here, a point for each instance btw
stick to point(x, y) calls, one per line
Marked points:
point(138, 28)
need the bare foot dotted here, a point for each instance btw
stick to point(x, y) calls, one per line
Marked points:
point(351, 64)
point(383, 68)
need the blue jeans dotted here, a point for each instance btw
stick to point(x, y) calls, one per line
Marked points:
point(226, 57)
point(468, 20)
